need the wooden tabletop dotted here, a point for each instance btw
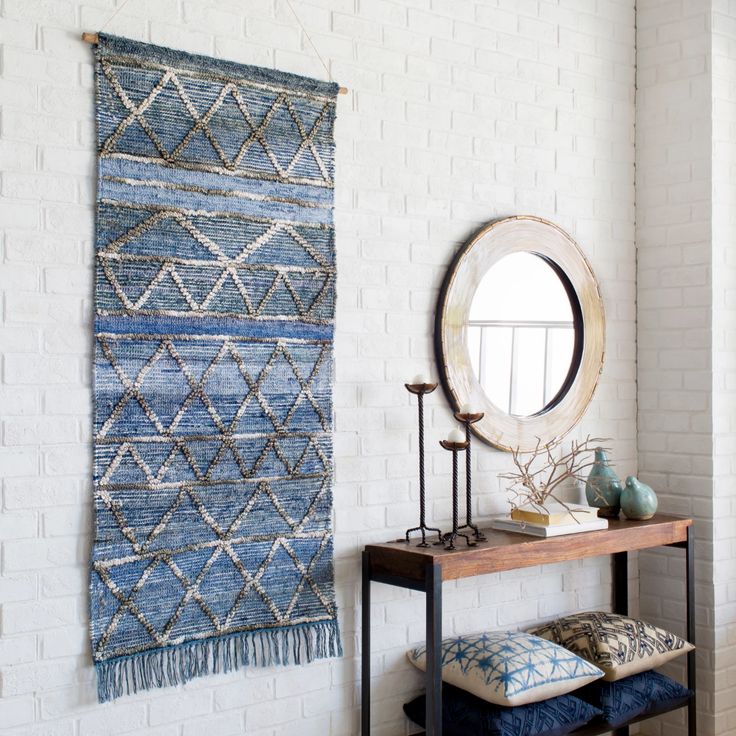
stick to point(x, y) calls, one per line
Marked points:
point(511, 550)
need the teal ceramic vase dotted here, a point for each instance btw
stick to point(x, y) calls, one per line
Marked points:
point(603, 487)
point(638, 500)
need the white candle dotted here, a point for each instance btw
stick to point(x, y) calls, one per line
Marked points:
point(419, 378)
point(456, 435)
point(466, 409)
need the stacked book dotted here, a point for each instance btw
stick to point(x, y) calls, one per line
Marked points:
point(552, 520)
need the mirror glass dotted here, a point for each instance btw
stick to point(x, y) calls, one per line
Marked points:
point(521, 334)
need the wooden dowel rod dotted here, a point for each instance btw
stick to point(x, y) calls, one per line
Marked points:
point(94, 38)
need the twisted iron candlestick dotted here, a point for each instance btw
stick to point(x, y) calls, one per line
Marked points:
point(420, 389)
point(467, 420)
point(450, 537)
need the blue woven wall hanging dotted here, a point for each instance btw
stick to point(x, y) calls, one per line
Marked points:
point(214, 307)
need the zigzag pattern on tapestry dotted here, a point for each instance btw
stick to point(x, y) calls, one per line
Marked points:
point(214, 309)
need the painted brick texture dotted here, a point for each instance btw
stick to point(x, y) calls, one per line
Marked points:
point(724, 360)
point(685, 112)
point(458, 112)
point(673, 215)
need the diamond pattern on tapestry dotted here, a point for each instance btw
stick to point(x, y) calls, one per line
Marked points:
point(214, 311)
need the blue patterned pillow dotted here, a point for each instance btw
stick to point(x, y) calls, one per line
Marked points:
point(633, 696)
point(465, 715)
point(509, 667)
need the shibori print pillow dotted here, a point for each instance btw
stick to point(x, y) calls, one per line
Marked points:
point(619, 645)
point(509, 667)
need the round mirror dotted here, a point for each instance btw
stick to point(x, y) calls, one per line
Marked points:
point(520, 332)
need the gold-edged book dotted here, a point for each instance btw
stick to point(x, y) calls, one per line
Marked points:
point(555, 514)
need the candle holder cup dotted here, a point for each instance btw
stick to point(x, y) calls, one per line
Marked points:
point(467, 420)
point(420, 390)
point(450, 537)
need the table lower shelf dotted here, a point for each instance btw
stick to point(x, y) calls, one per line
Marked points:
point(599, 728)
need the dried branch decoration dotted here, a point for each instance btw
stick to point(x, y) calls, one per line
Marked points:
point(540, 475)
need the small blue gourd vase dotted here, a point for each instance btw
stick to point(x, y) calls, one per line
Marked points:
point(603, 487)
point(638, 500)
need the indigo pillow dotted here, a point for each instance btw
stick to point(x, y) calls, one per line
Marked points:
point(619, 645)
point(638, 695)
point(464, 715)
point(509, 667)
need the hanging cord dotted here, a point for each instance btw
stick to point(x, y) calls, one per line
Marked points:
point(309, 38)
point(93, 38)
point(117, 10)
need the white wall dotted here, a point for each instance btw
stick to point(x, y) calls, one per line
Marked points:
point(673, 217)
point(724, 359)
point(686, 161)
point(459, 112)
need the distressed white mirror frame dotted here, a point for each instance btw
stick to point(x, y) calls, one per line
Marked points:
point(527, 234)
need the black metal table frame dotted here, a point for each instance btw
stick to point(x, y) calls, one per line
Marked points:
point(432, 588)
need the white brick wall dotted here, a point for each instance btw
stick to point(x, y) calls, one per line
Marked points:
point(459, 112)
point(724, 359)
point(686, 120)
point(673, 214)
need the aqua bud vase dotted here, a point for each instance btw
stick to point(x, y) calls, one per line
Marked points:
point(603, 487)
point(638, 500)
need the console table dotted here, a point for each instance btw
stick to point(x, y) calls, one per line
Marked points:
point(408, 566)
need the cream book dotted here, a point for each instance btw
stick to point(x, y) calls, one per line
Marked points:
point(507, 524)
point(554, 514)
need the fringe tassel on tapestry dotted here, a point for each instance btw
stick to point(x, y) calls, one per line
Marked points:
point(177, 665)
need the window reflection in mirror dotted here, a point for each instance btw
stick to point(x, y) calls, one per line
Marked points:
point(521, 334)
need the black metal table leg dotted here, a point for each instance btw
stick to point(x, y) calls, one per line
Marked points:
point(365, 669)
point(692, 721)
point(621, 583)
point(621, 600)
point(433, 578)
